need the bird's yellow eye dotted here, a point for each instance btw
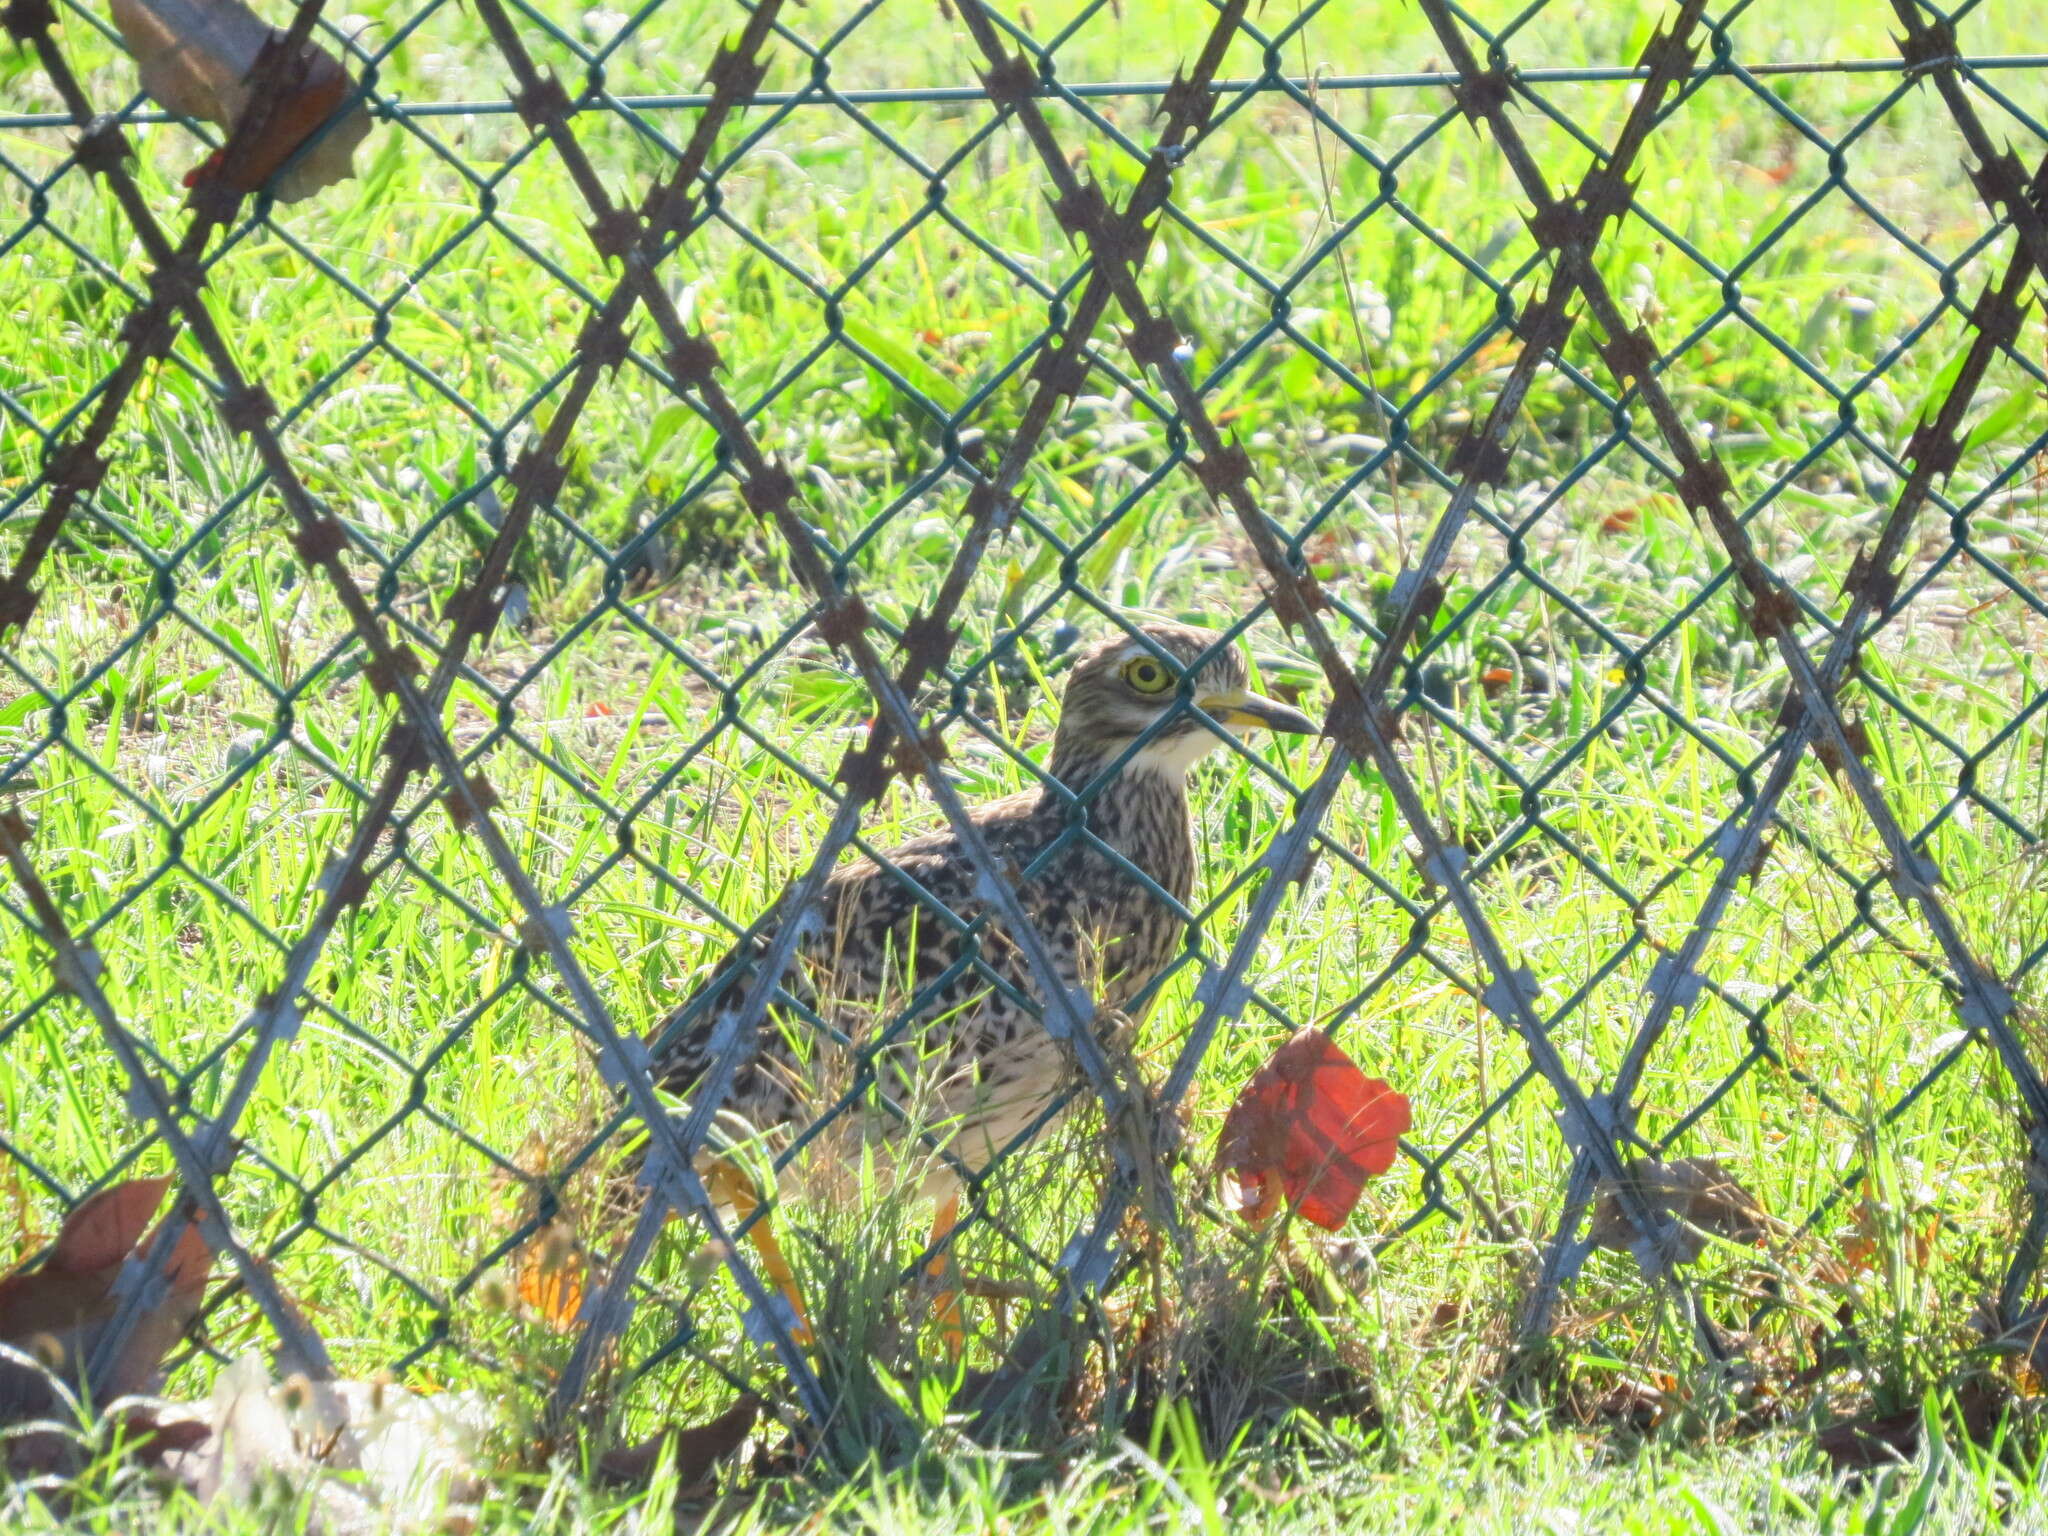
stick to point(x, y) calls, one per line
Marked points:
point(1147, 676)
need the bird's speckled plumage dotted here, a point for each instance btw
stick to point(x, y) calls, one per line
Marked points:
point(972, 1063)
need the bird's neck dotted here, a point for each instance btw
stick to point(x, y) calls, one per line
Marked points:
point(1082, 769)
point(1141, 811)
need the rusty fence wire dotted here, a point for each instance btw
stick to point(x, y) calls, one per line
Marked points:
point(1457, 467)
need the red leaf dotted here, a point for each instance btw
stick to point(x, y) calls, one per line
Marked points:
point(105, 1229)
point(1312, 1128)
point(59, 1309)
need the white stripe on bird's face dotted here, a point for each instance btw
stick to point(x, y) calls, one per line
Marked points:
point(1175, 754)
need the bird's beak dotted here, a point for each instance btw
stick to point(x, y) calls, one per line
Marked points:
point(1242, 708)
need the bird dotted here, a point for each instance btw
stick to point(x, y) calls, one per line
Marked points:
point(932, 1009)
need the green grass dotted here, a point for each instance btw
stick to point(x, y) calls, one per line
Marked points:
point(184, 721)
point(1511, 1477)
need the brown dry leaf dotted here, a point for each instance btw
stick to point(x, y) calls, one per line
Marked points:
point(56, 1311)
point(698, 1449)
point(151, 1435)
point(1443, 1315)
point(1696, 1190)
point(1871, 1441)
point(1981, 1411)
point(105, 1228)
point(552, 1276)
point(194, 56)
point(1862, 1249)
point(1636, 1404)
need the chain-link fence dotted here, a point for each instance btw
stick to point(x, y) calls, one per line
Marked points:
point(667, 472)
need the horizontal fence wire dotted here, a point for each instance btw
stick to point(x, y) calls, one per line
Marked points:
point(798, 461)
point(1110, 89)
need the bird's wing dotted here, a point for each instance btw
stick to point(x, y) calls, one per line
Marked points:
point(881, 934)
point(882, 931)
point(902, 915)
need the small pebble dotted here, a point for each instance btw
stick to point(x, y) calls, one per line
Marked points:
point(1351, 447)
point(243, 747)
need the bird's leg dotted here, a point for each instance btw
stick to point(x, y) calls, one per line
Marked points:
point(728, 1184)
point(943, 1270)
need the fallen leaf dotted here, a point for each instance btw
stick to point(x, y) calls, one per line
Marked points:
point(1309, 1128)
point(1867, 1243)
point(1442, 1316)
point(1635, 1404)
point(56, 1311)
point(1978, 1410)
point(552, 1275)
point(194, 56)
point(550, 1270)
point(1778, 174)
point(697, 1449)
point(105, 1227)
point(1696, 1190)
point(153, 1435)
point(1871, 1441)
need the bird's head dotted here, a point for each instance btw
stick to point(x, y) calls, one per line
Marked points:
point(1122, 687)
